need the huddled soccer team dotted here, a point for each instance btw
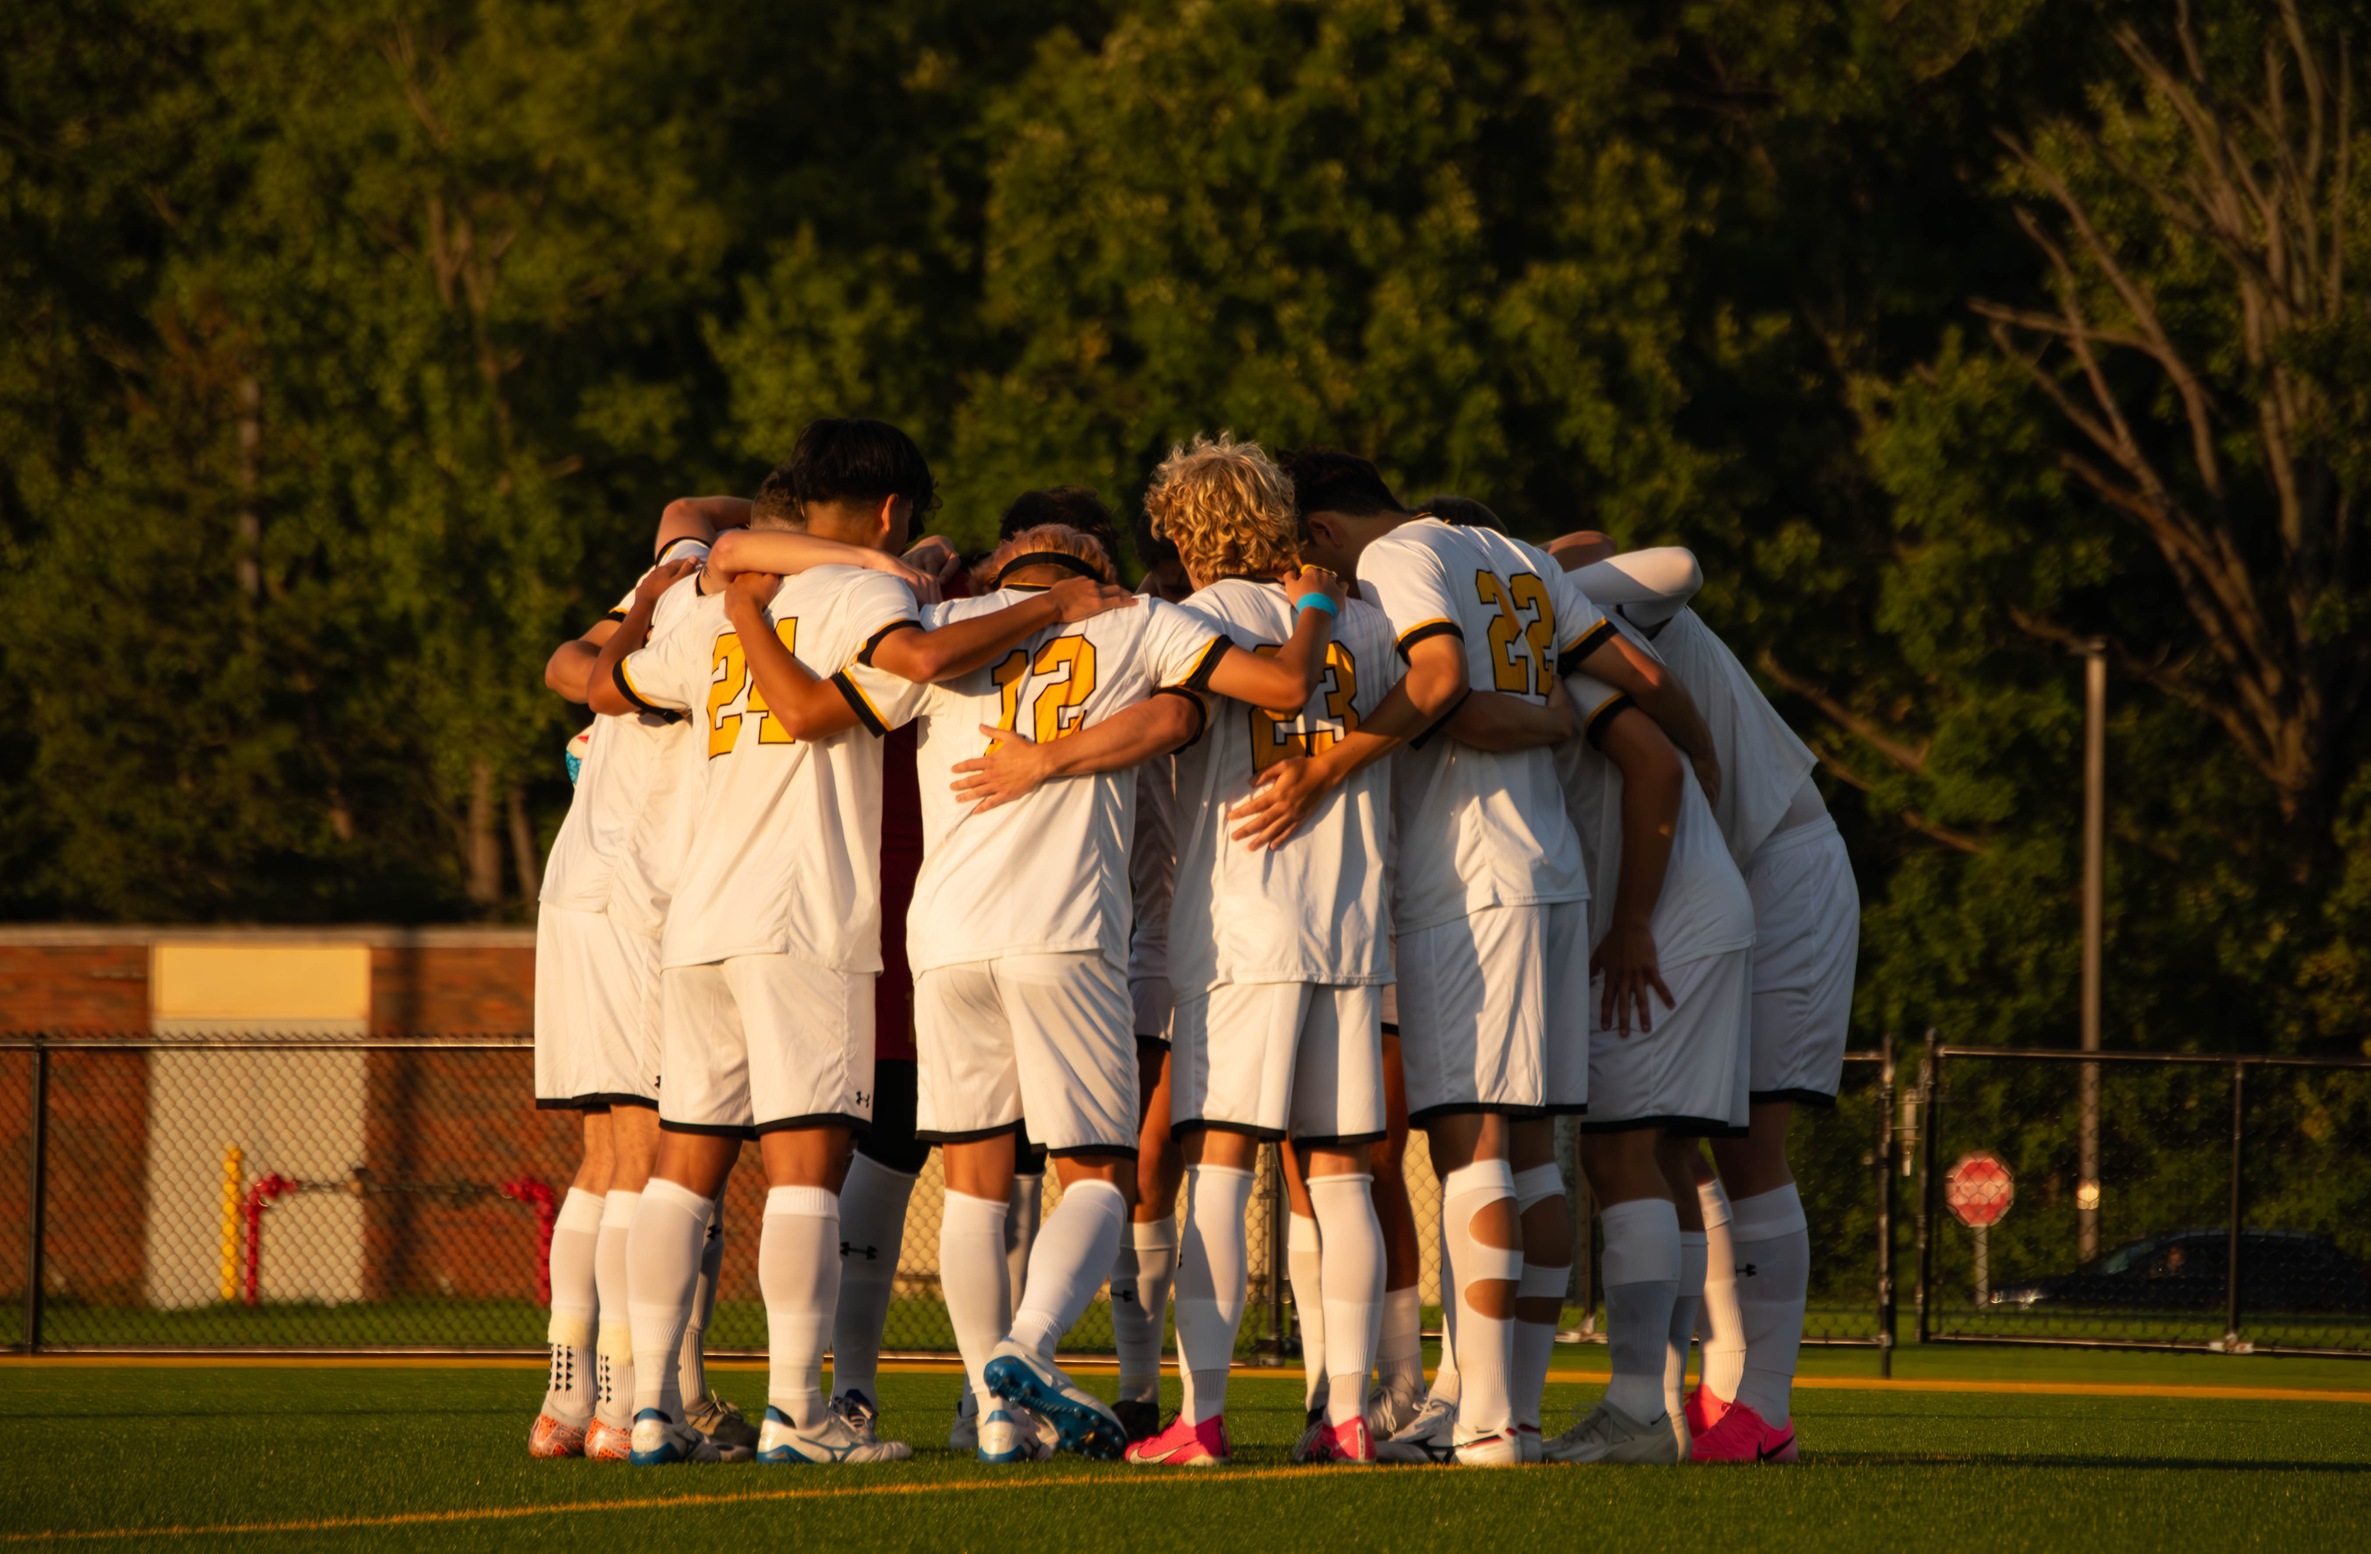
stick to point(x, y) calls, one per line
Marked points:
point(1351, 819)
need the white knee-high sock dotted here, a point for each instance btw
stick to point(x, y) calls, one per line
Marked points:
point(1535, 1342)
point(662, 1273)
point(1073, 1256)
point(872, 1231)
point(572, 1387)
point(691, 1361)
point(1773, 1279)
point(1021, 1223)
point(1641, 1282)
point(1685, 1300)
point(1140, 1278)
point(614, 1355)
point(1351, 1251)
point(1718, 1322)
point(798, 1270)
point(1446, 1384)
point(1485, 1356)
point(1399, 1345)
point(1304, 1269)
point(973, 1278)
point(1211, 1264)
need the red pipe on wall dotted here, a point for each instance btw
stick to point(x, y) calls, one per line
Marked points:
point(258, 1197)
point(527, 1189)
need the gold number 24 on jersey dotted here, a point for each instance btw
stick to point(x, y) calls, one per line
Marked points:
point(728, 677)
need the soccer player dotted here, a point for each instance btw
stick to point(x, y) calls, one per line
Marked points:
point(1807, 939)
point(772, 941)
point(1489, 888)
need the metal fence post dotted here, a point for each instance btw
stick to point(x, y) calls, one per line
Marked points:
point(1883, 1163)
point(1930, 1087)
point(2239, 1080)
point(37, 1192)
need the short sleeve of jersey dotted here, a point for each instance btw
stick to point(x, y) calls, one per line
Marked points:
point(670, 671)
point(1581, 627)
point(881, 700)
point(878, 606)
point(1411, 587)
point(1181, 647)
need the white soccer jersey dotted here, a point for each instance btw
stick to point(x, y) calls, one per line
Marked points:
point(1317, 908)
point(785, 852)
point(1763, 764)
point(1704, 908)
point(1480, 829)
point(629, 767)
point(1049, 873)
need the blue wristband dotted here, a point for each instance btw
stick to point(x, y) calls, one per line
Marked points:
point(1315, 602)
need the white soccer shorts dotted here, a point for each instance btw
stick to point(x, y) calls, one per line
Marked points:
point(759, 1043)
point(1683, 1073)
point(1807, 940)
point(1272, 1058)
point(1044, 1037)
point(596, 1012)
point(1156, 1006)
point(1485, 1000)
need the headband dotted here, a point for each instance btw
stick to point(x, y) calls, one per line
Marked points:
point(1047, 558)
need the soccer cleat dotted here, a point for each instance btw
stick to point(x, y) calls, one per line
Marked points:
point(1610, 1435)
point(1139, 1417)
point(1430, 1437)
point(727, 1428)
point(858, 1410)
point(1528, 1445)
point(780, 1441)
point(553, 1438)
point(1012, 1434)
point(1391, 1408)
point(1743, 1435)
point(1704, 1410)
point(1317, 1438)
point(605, 1442)
point(1185, 1445)
point(1082, 1423)
point(1494, 1449)
point(1345, 1442)
point(659, 1441)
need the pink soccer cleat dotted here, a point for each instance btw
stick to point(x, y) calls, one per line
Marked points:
point(1704, 1410)
point(1742, 1435)
point(1185, 1445)
point(1348, 1442)
point(607, 1443)
point(555, 1438)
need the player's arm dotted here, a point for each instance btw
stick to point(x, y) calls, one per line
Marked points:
point(1609, 656)
point(700, 518)
point(1652, 784)
point(1287, 793)
point(569, 670)
point(1648, 586)
point(960, 646)
point(787, 553)
point(1015, 765)
point(807, 708)
point(1502, 721)
point(602, 692)
point(1282, 683)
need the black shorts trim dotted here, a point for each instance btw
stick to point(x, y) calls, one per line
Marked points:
point(709, 1130)
point(967, 1136)
point(1472, 1109)
point(1150, 1040)
point(1684, 1127)
point(1582, 1110)
point(1591, 640)
point(861, 1125)
point(1028, 1159)
point(1819, 1098)
point(1123, 1151)
point(891, 1143)
point(1389, 1029)
point(571, 1103)
point(1177, 1130)
point(1339, 1140)
point(864, 655)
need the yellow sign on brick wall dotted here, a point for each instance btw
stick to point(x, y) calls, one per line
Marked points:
point(232, 985)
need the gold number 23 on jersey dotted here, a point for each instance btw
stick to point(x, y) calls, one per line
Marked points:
point(1274, 738)
point(1524, 591)
point(728, 678)
point(1059, 703)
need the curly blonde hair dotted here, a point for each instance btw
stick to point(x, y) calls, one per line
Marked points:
point(1060, 539)
point(1227, 508)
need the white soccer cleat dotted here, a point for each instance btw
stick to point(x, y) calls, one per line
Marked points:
point(1083, 1422)
point(1010, 1433)
point(726, 1427)
point(659, 1440)
point(1491, 1449)
point(858, 1410)
point(832, 1441)
point(1430, 1437)
point(1609, 1435)
point(1391, 1408)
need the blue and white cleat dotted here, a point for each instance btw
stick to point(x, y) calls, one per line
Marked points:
point(659, 1440)
point(1011, 1433)
point(1082, 1423)
point(780, 1441)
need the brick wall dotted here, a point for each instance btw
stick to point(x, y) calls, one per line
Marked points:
point(74, 987)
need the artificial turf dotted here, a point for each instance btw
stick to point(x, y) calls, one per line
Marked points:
point(419, 1458)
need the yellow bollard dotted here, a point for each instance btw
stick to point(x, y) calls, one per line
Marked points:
point(232, 1164)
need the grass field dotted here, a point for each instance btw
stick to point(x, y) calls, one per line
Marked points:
point(1966, 1448)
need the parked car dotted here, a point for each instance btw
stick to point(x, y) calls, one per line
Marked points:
point(2183, 1270)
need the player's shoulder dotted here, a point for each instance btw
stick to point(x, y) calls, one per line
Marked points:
point(1418, 537)
point(1241, 602)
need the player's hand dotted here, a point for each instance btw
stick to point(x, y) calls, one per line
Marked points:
point(1560, 704)
point(1282, 798)
point(750, 592)
point(1627, 960)
point(1313, 580)
point(659, 579)
point(937, 559)
point(1708, 777)
point(1082, 598)
point(1014, 767)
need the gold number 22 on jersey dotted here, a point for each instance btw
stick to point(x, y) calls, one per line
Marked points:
point(728, 676)
point(1527, 593)
point(1059, 704)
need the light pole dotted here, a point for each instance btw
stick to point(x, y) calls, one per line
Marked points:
point(2095, 860)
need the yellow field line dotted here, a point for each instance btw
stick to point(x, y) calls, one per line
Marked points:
point(1092, 1366)
point(646, 1503)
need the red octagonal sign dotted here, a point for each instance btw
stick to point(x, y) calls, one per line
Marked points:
point(1978, 1190)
